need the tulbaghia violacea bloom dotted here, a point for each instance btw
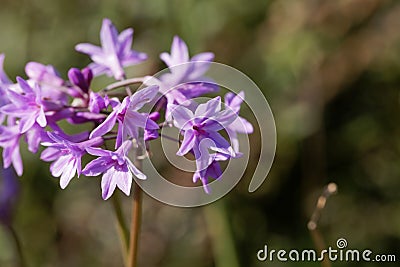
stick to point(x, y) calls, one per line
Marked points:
point(97, 102)
point(185, 79)
point(49, 80)
point(34, 136)
point(213, 170)
point(149, 133)
point(32, 110)
point(4, 81)
point(43, 74)
point(240, 125)
point(9, 141)
point(116, 167)
point(115, 52)
point(66, 155)
point(128, 117)
point(188, 72)
point(10, 136)
point(28, 106)
point(200, 130)
point(81, 78)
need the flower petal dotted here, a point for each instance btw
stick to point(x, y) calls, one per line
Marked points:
point(187, 143)
point(97, 151)
point(68, 173)
point(97, 166)
point(220, 120)
point(143, 96)
point(125, 41)
point(200, 64)
point(234, 101)
point(41, 118)
point(57, 167)
point(124, 181)
point(179, 53)
point(241, 125)
point(106, 126)
point(26, 123)
point(17, 161)
point(182, 116)
point(214, 170)
point(109, 37)
point(132, 58)
point(201, 153)
point(209, 109)
point(108, 183)
point(26, 88)
point(50, 154)
point(89, 49)
point(140, 175)
point(219, 144)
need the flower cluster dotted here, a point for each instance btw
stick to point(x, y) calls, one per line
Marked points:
point(32, 108)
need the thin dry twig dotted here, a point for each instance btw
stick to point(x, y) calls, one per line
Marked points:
point(312, 225)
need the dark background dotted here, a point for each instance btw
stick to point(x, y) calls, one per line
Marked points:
point(331, 73)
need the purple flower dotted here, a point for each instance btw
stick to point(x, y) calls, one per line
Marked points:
point(180, 55)
point(186, 78)
point(115, 51)
point(240, 125)
point(43, 74)
point(98, 103)
point(52, 85)
point(151, 134)
point(213, 170)
point(34, 136)
point(200, 130)
point(66, 155)
point(79, 88)
point(28, 106)
point(74, 116)
point(129, 119)
point(4, 82)
point(116, 167)
point(9, 190)
point(81, 78)
point(9, 141)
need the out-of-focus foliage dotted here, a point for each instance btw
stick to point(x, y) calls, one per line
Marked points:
point(331, 73)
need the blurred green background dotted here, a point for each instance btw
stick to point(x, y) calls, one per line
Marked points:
point(331, 73)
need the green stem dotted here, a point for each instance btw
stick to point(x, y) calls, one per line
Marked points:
point(135, 225)
point(222, 240)
point(18, 246)
point(121, 226)
point(136, 215)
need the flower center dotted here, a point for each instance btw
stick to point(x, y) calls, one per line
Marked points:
point(198, 130)
point(120, 160)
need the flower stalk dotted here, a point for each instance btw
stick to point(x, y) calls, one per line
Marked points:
point(122, 228)
point(123, 83)
point(136, 214)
